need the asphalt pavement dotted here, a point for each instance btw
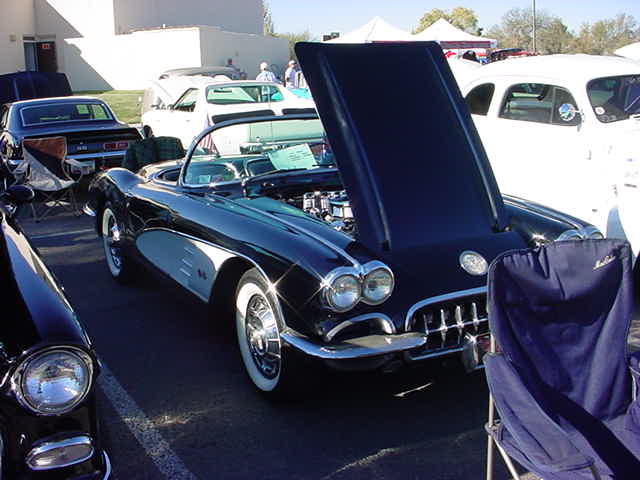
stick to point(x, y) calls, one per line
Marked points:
point(175, 401)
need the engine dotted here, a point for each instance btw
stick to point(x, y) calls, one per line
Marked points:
point(332, 208)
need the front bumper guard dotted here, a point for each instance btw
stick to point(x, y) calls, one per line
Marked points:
point(471, 350)
point(361, 347)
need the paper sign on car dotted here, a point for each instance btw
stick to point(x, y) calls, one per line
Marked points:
point(298, 156)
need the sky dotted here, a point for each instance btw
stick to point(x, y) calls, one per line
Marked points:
point(325, 16)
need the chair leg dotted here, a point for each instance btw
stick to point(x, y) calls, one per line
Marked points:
point(489, 457)
point(510, 466)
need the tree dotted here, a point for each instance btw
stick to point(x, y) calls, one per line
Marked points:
point(293, 38)
point(516, 31)
point(606, 36)
point(268, 27)
point(461, 17)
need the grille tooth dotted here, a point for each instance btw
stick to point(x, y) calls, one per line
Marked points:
point(443, 324)
point(459, 321)
point(474, 316)
point(446, 323)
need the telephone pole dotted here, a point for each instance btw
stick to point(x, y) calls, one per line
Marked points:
point(534, 26)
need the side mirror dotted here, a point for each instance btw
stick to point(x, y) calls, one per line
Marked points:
point(567, 112)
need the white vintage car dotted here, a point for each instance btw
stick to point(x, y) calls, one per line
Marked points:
point(564, 130)
point(183, 106)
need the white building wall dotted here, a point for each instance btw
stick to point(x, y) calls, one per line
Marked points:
point(244, 16)
point(17, 19)
point(128, 62)
point(247, 51)
point(74, 18)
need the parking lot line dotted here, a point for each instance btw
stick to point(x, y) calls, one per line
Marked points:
point(61, 234)
point(156, 447)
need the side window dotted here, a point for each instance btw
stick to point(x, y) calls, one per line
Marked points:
point(187, 102)
point(528, 102)
point(565, 108)
point(479, 99)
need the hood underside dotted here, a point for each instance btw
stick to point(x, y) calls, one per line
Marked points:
point(408, 153)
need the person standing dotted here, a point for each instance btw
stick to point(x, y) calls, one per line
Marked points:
point(291, 75)
point(265, 74)
point(236, 75)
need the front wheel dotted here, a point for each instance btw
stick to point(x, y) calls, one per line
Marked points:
point(258, 327)
point(119, 266)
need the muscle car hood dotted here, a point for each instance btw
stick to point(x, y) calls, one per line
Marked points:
point(408, 153)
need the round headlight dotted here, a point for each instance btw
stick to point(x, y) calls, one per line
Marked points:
point(377, 286)
point(343, 292)
point(55, 381)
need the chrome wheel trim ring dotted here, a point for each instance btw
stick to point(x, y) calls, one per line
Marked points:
point(111, 234)
point(264, 374)
point(262, 336)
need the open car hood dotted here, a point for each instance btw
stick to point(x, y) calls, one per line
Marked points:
point(408, 154)
point(28, 85)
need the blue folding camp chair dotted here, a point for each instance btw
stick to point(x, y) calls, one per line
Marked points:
point(563, 383)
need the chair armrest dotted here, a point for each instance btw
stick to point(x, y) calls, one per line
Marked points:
point(540, 438)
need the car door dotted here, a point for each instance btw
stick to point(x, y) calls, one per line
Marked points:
point(181, 120)
point(536, 151)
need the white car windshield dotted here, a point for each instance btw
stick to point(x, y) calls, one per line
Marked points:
point(234, 95)
point(615, 98)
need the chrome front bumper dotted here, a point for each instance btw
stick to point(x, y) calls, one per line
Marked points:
point(369, 346)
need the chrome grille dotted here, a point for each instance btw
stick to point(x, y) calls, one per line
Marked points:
point(446, 320)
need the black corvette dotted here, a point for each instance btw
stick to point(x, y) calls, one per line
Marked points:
point(48, 368)
point(361, 240)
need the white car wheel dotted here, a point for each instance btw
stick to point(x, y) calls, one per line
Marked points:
point(258, 332)
point(117, 263)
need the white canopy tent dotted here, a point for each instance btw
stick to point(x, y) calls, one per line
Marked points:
point(631, 51)
point(375, 30)
point(450, 37)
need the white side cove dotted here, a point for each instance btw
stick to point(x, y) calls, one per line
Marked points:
point(194, 264)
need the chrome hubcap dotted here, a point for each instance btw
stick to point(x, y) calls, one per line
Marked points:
point(262, 336)
point(112, 238)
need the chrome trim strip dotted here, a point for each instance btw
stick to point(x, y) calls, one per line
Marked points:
point(362, 347)
point(250, 260)
point(46, 447)
point(304, 231)
point(107, 466)
point(436, 353)
point(440, 298)
point(92, 156)
point(384, 322)
point(87, 210)
point(537, 208)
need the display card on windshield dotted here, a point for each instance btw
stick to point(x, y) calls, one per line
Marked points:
point(298, 156)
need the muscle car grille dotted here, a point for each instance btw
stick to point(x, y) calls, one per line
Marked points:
point(447, 322)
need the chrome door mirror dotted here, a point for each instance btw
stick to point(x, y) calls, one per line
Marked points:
point(567, 112)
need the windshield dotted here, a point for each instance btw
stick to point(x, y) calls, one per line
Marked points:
point(259, 148)
point(234, 95)
point(63, 112)
point(615, 98)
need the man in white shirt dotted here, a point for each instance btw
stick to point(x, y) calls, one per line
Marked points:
point(291, 75)
point(265, 74)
